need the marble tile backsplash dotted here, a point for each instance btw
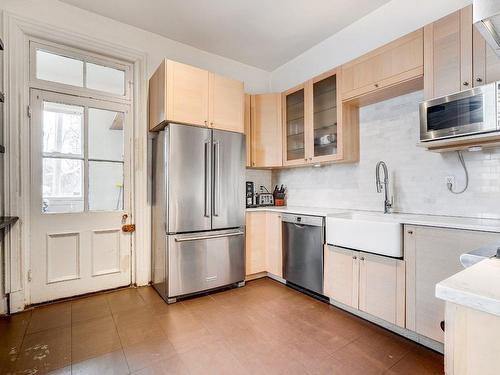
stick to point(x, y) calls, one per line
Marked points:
point(260, 178)
point(389, 131)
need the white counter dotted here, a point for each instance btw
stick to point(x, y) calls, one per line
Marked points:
point(486, 225)
point(477, 287)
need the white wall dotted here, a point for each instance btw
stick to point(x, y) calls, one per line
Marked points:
point(89, 26)
point(53, 12)
point(389, 22)
point(389, 131)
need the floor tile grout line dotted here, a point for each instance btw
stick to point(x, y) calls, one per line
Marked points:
point(118, 334)
point(403, 357)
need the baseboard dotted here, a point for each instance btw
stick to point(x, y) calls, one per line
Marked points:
point(254, 276)
point(425, 341)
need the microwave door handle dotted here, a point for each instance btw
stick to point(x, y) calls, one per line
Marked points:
point(216, 201)
point(207, 179)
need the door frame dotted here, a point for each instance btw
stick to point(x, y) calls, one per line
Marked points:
point(18, 32)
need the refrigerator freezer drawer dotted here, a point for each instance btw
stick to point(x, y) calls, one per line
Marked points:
point(202, 261)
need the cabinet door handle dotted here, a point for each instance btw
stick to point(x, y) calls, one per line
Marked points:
point(206, 123)
point(466, 83)
point(376, 85)
point(442, 325)
point(354, 257)
point(479, 79)
point(410, 232)
point(362, 258)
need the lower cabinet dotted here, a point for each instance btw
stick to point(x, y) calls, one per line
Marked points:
point(255, 243)
point(432, 255)
point(382, 287)
point(263, 243)
point(371, 283)
point(341, 275)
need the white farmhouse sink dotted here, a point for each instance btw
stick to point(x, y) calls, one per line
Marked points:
point(371, 232)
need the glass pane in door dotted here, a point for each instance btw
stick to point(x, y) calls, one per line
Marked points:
point(62, 158)
point(62, 128)
point(325, 116)
point(295, 125)
point(62, 189)
point(105, 154)
point(105, 186)
point(105, 135)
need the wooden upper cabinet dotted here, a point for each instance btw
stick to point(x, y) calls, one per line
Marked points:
point(296, 121)
point(317, 126)
point(266, 131)
point(185, 94)
point(448, 54)
point(391, 64)
point(248, 130)
point(456, 57)
point(325, 136)
point(486, 64)
point(227, 108)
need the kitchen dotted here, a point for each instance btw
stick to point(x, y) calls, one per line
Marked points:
point(332, 210)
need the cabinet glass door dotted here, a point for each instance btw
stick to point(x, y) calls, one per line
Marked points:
point(325, 117)
point(294, 107)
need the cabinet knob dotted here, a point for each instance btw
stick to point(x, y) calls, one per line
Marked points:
point(466, 83)
point(206, 123)
point(410, 232)
point(362, 258)
point(376, 85)
point(354, 257)
point(211, 124)
point(479, 79)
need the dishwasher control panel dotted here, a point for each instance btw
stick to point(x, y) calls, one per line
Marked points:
point(316, 221)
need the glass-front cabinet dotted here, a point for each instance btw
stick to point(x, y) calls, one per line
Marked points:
point(312, 122)
point(325, 117)
point(294, 126)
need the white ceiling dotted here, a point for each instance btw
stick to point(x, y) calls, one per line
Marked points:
point(261, 33)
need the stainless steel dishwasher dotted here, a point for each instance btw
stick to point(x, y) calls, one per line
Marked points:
point(303, 241)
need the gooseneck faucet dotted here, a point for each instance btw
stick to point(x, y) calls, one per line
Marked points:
point(385, 184)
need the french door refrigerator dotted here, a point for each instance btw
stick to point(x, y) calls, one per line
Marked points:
point(198, 210)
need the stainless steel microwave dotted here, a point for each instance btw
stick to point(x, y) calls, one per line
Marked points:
point(468, 112)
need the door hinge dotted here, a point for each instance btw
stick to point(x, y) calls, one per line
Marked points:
point(29, 111)
point(29, 276)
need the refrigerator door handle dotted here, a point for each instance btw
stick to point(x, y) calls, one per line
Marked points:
point(207, 178)
point(184, 239)
point(216, 201)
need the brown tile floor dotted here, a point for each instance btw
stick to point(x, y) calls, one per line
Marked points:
point(263, 328)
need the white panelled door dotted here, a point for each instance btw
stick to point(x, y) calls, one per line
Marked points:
point(80, 195)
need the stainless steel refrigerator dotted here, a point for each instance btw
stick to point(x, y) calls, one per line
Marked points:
point(198, 210)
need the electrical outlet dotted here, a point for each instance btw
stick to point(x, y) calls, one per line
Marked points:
point(450, 180)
